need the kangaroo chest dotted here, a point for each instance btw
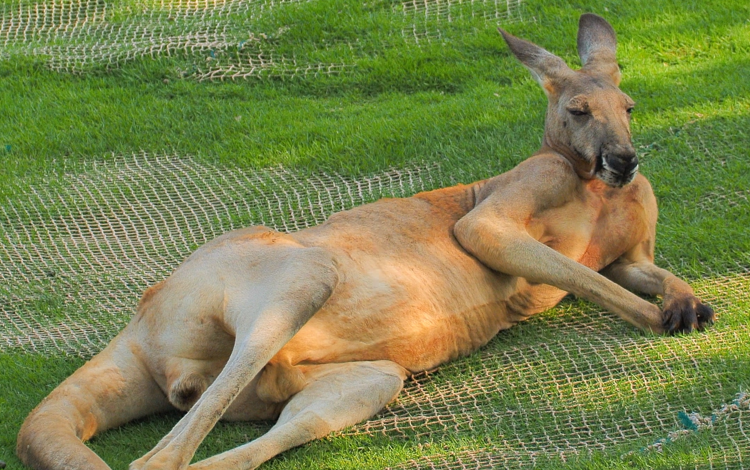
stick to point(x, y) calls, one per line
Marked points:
point(595, 228)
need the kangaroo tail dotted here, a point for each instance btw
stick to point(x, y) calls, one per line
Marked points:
point(111, 389)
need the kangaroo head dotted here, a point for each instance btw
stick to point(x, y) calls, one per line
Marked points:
point(588, 117)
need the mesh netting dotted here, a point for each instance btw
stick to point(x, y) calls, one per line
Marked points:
point(582, 385)
point(231, 38)
point(77, 250)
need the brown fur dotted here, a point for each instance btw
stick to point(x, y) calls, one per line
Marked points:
point(320, 328)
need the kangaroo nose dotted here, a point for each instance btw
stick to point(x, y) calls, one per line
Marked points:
point(622, 159)
point(627, 163)
point(632, 165)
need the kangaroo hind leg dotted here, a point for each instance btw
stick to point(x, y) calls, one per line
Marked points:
point(265, 305)
point(336, 396)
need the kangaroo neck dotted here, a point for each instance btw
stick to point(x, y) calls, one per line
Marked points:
point(584, 169)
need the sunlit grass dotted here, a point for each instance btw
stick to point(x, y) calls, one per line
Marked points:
point(467, 104)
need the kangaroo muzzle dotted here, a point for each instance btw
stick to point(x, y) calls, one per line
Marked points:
point(619, 165)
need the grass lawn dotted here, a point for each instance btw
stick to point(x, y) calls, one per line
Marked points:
point(464, 102)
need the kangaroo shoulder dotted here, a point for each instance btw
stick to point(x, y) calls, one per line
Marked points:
point(543, 179)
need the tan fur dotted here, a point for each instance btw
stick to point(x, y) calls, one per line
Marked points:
point(320, 328)
point(279, 381)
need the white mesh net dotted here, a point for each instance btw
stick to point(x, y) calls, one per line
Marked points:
point(77, 250)
point(224, 38)
point(582, 385)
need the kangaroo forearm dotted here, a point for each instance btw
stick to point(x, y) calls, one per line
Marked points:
point(536, 262)
point(635, 277)
point(674, 286)
point(647, 278)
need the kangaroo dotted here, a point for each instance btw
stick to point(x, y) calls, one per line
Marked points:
point(319, 329)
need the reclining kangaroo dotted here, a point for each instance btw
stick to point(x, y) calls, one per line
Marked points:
point(320, 328)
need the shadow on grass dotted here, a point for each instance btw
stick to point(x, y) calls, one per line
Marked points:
point(571, 377)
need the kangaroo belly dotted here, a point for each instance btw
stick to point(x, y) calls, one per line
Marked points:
point(416, 322)
point(418, 302)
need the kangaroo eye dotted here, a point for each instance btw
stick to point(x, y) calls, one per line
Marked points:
point(630, 110)
point(577, 112)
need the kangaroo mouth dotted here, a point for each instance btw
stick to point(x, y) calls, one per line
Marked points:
point(612, 177)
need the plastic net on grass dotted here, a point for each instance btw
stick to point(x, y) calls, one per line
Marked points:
point(77, 250)
point(582, 385)
point(78, 35)
point(426, 19)
point(223, 38)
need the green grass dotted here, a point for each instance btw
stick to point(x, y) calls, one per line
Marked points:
point(553, 365)
point(470, 106)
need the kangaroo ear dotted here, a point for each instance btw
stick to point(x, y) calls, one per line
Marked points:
point(597, 46)
point(545, 67)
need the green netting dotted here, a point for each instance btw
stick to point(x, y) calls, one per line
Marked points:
point(76, 252)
